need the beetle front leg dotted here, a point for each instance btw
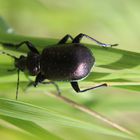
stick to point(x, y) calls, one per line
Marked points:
point(75, 86)
point(78, 38)
point(30, 46)
point(65, 39)
point(39, 79)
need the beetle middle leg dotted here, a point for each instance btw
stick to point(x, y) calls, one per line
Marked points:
point(65, 39)
point(75, 86)
point(78, 38)
point(56, 86)
point(40, 78)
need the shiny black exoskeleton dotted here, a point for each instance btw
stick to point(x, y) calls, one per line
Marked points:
point(69, 62)
point(61, 62)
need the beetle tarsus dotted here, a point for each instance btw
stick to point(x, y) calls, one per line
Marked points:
point(114, 45)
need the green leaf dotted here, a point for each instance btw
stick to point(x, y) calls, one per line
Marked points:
point(29, 127)
point(43, 118)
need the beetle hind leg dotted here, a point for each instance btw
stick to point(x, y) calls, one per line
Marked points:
point(75, 86)
point(65, 39)
point(78, 38)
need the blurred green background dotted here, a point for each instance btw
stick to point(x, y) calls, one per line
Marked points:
point(110, 21)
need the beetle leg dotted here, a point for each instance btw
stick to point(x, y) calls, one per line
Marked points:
point(78, 38)
point(40, 78)
point(56, 86)
point(2, 52)
point(75, 86)
point(30, 84)
point(30, 46)
point(65, 38)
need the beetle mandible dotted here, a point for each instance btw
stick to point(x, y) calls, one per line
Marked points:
point(61, 62)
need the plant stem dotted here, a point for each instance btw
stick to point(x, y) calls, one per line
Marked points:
point(91, 112)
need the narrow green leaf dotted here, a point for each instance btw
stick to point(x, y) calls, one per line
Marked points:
point(30, 127)
point(44, 117)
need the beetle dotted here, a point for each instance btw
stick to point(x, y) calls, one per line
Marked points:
point(60, 62)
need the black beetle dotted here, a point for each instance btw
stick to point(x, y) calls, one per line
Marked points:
point(61, 62)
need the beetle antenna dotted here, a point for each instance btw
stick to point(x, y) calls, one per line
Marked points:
point(18, 72)
point(1, 52)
